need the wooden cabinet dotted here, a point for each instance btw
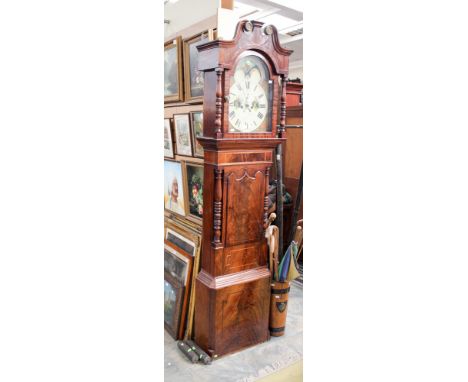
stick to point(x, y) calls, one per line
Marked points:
point(293, 94)
point(233, 286)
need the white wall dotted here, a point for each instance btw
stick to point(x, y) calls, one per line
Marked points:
point(185, 13)
point(295, 73)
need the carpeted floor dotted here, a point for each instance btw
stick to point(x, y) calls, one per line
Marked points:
point(248, 365)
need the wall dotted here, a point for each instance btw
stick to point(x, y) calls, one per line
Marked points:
point(180, 18)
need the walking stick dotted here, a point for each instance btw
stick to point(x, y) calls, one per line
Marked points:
point(297, 205)
point(279, 198)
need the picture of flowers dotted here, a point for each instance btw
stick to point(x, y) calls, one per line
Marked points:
point(195, 189)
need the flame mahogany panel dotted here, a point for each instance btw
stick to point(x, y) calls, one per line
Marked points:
point(232, 288)
point(244, 203)
point(234, 311)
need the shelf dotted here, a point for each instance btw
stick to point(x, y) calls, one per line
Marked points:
point(178, 104)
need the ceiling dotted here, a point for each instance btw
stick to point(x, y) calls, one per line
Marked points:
point(286, 18)
point(285, 15)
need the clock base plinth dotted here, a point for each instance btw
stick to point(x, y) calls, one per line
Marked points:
point(232, 311)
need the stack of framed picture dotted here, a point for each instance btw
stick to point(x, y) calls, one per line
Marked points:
point(180, 134)
point(183, 189)
point(181, 265)
point(183, 180)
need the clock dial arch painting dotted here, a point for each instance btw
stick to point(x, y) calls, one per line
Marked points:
point(250, 95)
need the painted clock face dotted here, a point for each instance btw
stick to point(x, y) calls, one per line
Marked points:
point(250, 97)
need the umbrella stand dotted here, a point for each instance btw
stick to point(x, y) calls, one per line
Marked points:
point(278, 307)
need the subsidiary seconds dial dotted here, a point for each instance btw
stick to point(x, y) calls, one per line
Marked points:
point(248, 100)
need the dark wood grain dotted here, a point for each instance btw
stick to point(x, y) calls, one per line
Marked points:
point(232, 288)
point(293, 94)
point(244, 221)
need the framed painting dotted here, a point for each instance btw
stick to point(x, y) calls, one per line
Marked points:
point(175, 263)
point(180, 240)
point(194, 190)
point(173, 83)
point(173, 296)
point(193, 78)
point(183, 238)
point(174, 195)
point(196, 119)
point(168, 147)
point(182, 134)
point(171, 256)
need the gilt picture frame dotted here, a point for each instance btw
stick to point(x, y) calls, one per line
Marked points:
point(168, 140)
point(176, 264)
point(196, 120)
point(186, 239)
point(180, 240)
point(172, 255)
point(194, 79)
point(173, 70)
point(173, 301)
point(182, 135)
point(194, 173)
point(174, 183)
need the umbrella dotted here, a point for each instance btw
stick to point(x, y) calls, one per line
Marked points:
point(293, 273)
point(284, 265)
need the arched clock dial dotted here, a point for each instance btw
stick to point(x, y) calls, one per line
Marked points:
point(249, 97)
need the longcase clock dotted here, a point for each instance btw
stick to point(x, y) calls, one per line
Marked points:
point(242, 97)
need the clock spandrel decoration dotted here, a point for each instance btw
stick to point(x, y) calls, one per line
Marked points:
point(244, 111)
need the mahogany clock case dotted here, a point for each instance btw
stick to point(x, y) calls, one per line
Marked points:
point(233, 286)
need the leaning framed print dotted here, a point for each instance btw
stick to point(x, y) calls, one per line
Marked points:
point(189, 241)
point(180, 240)
point(173, 255)
point(182, 134)
point(194, 190)
point(193, 78)
point(173, 300)
point(196, 120)
point(174, 195)
point(175, 263)
point(168, 147)
point(173, 82)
